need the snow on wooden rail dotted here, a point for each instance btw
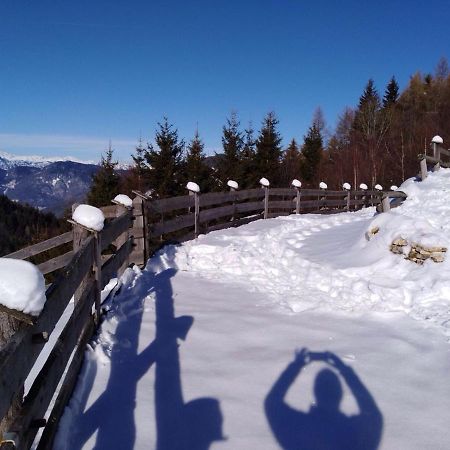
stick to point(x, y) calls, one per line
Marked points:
point(439, 158)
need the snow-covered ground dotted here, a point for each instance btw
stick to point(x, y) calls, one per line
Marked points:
point(203, 345)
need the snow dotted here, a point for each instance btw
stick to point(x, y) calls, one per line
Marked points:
point(22, 286)
point(323, 185)
point(363, 186)
point(193, 187)
point(232, 184)
point(124, 200)
point(378, 187)
point(347, 186)
point(204, 342)
point(264, 182)
point(393, 187)
point(89, 216)
point(437, 140)
point(296, 183)
point(8, 160)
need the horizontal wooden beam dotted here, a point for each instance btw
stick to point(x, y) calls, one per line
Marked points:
point(114, 229)
point(216, 213)
point(110, 268)
point(172, 225)
point(170, 204)
point(55, 263)
point(43, 246)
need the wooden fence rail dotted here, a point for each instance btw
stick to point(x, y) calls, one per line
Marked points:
point(94, 258)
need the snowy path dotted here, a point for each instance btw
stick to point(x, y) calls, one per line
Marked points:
point(244, 334)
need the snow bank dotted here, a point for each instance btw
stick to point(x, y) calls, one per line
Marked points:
point(330, 262)
point(22, 286)
point(124, 200)
point(89, 216)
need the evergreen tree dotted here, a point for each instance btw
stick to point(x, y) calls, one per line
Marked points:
point(290, 163)
point(268, 149)
point(311, 153)
point(166, 162)
point(391, 93)
point(105, 183)
point(228, 164)
point(196, 169)
point(248, 177)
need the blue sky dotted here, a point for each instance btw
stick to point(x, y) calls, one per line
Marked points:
point(74, 74)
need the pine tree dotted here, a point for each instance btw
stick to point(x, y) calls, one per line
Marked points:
point(105, 183)
point(228, 165)
point(196, 169)
point(166, 162)
point(248, 176)
point(268, 149)
point(311, 153)
point(391, 93)
point(290, 163)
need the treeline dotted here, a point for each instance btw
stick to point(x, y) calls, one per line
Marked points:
point(22, 225)
point(375, 142)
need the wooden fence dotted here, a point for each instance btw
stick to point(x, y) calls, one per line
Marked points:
point(129, 236)
point(439, 158)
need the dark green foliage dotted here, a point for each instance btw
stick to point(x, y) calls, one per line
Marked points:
point(391, 93)
point(228, 167)
point(105, 183)
point(140, 170)
point(196, 169)
point(166, 162)
point(268, 149)
point(290, 164)
point(248, 174)
point(311, 153)
point(22, 225)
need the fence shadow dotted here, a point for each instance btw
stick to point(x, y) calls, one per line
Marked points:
point(192, 425)
point(324, 426)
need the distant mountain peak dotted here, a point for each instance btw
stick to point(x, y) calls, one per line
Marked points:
point(8, 160)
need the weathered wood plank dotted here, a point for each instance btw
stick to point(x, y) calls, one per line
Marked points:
point(55, 263)
point(172, 225)
point(329, 202)
point(216, 213)
point(170, 204)
point(109, 211)
point(43, 389)
point(272, 215)
point(114, 229)
point(277, 192)
point(216, 198)
point(249, 194)
point(41, 246)
point(395, 194)
point(19, 354)
point(434, 160)
point(110, 268)
point(250, 206)
point(290, 204)
point(48, 435)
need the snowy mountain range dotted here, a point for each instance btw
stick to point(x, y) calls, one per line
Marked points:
point(50, 184)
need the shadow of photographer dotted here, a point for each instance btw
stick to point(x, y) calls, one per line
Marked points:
point(324, 426)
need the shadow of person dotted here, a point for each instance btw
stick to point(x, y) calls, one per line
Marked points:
point(180, 426)
point(324, 426)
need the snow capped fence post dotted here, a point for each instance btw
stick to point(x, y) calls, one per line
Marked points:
point(385, 203)
point(436, 142)
point(92, 220)
point(234, 186)
point(194, 189)
point(296, 184)
point(322, 199)
point(139, 254)
point(124, 206)
point(364, 188)
point(264, 182)
point(347, 187)
point(80, 234)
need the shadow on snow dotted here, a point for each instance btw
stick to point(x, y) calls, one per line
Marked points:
point(192, 425)
point(324, 426)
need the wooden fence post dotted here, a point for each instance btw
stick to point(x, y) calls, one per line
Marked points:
point(80, 234)
point(140, 251)
point(233, 188)
point(194, 189)
point(121, 210)
point(385, 203)
point(423, 169)
point(98, 275)
point(437, 155)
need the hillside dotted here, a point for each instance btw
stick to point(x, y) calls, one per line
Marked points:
point(21, 225)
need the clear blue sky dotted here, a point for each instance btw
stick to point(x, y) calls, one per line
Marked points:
point(76, 73)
